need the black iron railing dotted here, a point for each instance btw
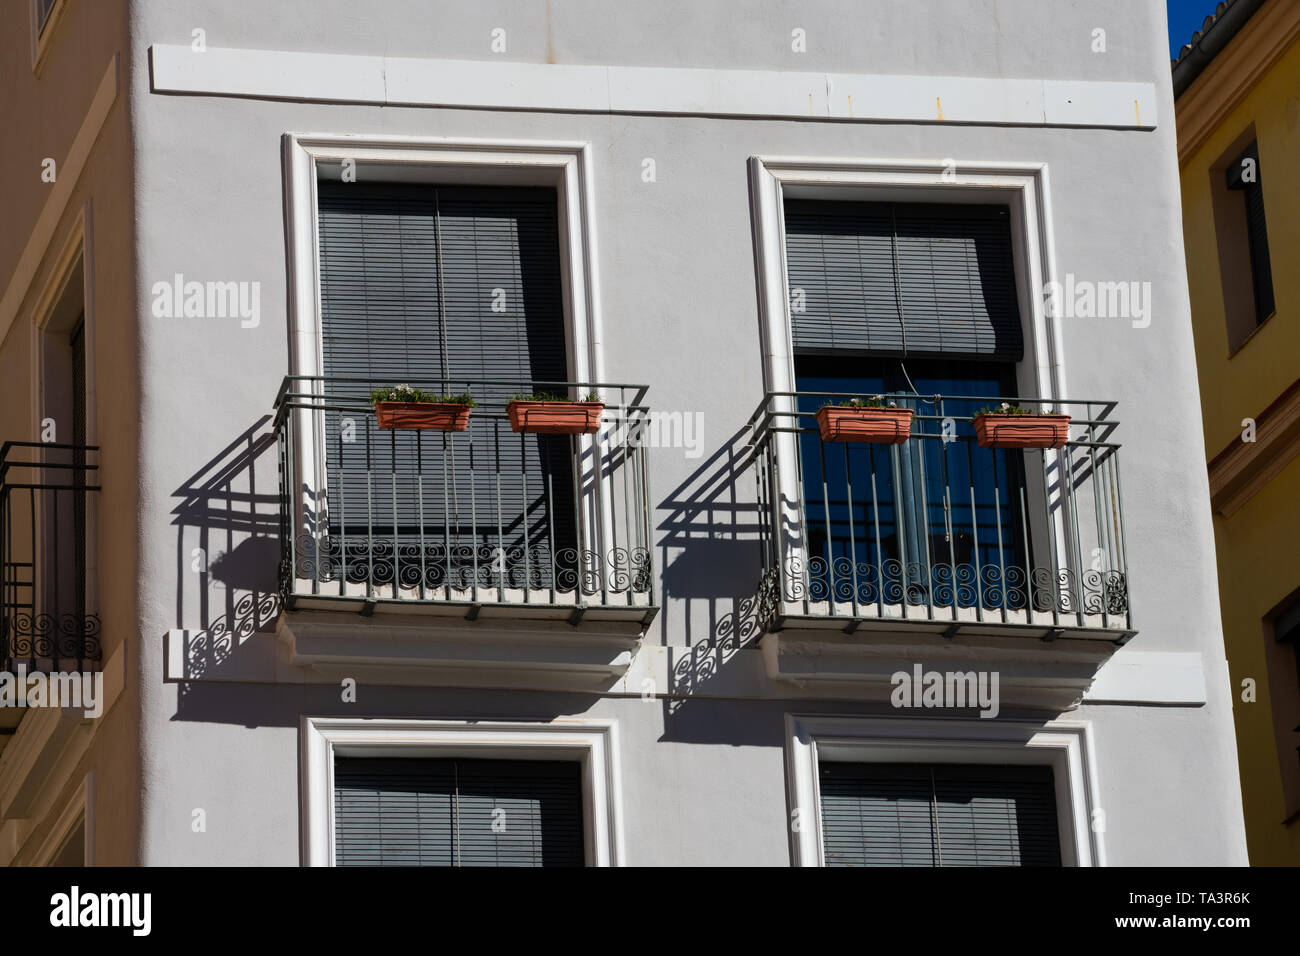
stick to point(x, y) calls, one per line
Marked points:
point(939, 528)
point(48, 619)
point(479, 517)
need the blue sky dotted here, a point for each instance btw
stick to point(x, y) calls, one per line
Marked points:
point(1185, 18)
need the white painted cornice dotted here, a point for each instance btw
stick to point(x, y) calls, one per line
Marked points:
point(492, 84)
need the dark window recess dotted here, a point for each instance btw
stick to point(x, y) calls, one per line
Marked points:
point(1245, 176)
point(78, 345)
point(43, 10)
point(73, 850)
point(424, 285)
point(442, 812)
point(918, 279)
point(1286, 629)
point(938, 815)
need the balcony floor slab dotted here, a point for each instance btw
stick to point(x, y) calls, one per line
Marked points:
point(438, 646)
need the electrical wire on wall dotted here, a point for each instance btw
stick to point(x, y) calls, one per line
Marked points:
point(898, 299)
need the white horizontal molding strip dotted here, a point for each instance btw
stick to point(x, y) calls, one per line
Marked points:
point(488, 84)
point(1150, 677)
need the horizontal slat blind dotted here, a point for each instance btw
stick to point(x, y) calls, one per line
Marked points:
point(381, 318)
point(394, 812)
point(890, 279)
point(940, 815)
point(501, 266)
point(425, 285)
point(519, 813)
point(379, 281)
point(501, 269)
point(876, 815)
point(444, 812)
point(997, 816)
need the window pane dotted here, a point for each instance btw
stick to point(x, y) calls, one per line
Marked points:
point(431, 286)
point(921, 279)
point(933, 502)
point(938, 815)
point(43, 10)
point(408, 811)
point(394, 812)
point(877, 815)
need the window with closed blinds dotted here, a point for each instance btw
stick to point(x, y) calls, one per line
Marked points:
point(430, 286)
point(938, 815)
point(922, 279)
point(404, 811)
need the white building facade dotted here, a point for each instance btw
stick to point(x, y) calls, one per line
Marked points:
point(713, 631)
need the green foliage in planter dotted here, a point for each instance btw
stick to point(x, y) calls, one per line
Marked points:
point(877, 401)
point(405, 393)
point(1008, 409)
point(591, 399)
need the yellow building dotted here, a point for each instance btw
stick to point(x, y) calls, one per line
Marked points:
point(1237, 90)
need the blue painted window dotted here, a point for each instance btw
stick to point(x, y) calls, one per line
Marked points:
point(944, 510)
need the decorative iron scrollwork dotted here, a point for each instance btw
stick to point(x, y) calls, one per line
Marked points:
point(52, 637)
point(381, 562)
point(965, 585)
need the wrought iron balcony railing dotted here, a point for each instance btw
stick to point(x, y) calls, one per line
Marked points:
point(484, 518)
point(48, 619)
point(940, 529)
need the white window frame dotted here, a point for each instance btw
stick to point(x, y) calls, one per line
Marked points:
point(1064, 745)
point(1024, 186)
point(41, 38)
point(565, 166)
point(592, 743)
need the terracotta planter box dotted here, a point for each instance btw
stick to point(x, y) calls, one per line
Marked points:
point(879, 426)
point(555, 418)
point(432, 416)
point(1022, 431)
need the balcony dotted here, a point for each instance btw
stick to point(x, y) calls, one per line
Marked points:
point(536, 539)
point(878, 555)
point(48, 619)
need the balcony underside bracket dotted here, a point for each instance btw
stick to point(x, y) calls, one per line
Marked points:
point(402, 646)
point(818, 659)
